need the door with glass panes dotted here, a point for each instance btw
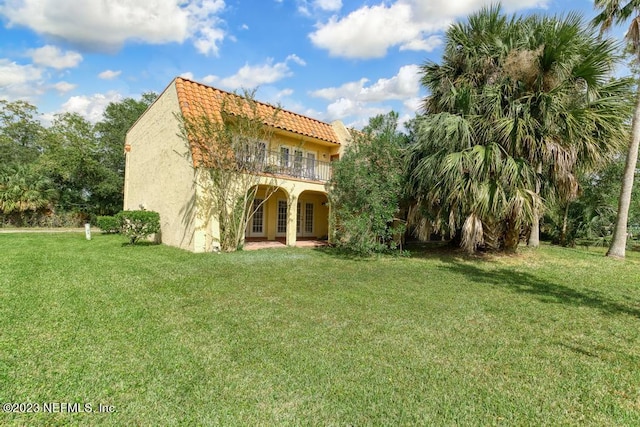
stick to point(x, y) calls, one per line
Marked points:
point(304, 226)
point(256, 226)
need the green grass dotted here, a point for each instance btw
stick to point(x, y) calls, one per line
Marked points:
point(305, 337)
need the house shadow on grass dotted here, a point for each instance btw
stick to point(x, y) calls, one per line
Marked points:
point(545, 290)
point(340, 253)
point(457, 261)
point(140, 243)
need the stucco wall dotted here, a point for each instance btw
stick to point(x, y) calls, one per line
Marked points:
point(322, 150)
point(343, 135)
point(159, 173)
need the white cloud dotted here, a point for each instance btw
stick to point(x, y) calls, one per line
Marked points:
point(284, 92)
point(210, 79)
point(64, 87)
point(350, 89)
point(359, 100)
point(404, 85)
point(251, 76)
point(188, 75)
point(109, 74)
point(328, 5)
point(281, 97)
point(19, 81)
point(303, 8)
point(348, 108)
point(53, 57)
point(307, 7)
point(295, 58)
point(107, 25)
point(368, 32)
point(413, 104)
point(427, 45)
point(90, 107)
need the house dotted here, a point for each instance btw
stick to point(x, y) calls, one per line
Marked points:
point(164, 172)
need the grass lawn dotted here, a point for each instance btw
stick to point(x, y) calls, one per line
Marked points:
point(305, 337)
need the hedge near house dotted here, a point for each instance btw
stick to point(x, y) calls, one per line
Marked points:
point(138, 225)
point(108, 224)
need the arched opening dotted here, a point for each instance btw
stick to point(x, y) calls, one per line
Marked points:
point(312, 221)
point(268, 215)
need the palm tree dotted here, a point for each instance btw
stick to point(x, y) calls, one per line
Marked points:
point(22, 191)
point(534, 93)
point(615, 12)
point(468, 186)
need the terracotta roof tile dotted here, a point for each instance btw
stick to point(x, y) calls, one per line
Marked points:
point(196, 98)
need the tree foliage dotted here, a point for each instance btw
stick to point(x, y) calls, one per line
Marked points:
point(617, 12)
point(590, 218)
point(24, 193)
point(231, 152)
point(138, 225)
point(20, 133)
point(518, 108)
point(366, 188)
point(79, 164)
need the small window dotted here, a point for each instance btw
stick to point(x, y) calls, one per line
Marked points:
point(284, 157)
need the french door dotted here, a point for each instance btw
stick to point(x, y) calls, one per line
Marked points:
point(304, 226)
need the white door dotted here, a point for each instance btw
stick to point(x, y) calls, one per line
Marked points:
point(304, 226)
point(281, 225)
point(256, 226)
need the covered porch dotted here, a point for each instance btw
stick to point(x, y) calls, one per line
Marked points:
point(288, 218)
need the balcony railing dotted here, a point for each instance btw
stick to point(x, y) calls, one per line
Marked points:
point(287, 164)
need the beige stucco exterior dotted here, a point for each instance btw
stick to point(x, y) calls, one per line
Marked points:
point(160, 176)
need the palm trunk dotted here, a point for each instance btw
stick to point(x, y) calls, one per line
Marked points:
point(619, 241)
point(563, 232)
point(534, 235)
point(512, 237)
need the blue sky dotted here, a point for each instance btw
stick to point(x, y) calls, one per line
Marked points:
point(328, 59)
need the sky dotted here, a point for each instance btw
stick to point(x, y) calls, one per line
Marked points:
point(327, 59)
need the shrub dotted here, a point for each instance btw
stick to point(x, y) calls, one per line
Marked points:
point(108, 224)
point(138, 225)
point(366, 187)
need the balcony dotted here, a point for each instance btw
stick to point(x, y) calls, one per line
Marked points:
point(283, 163)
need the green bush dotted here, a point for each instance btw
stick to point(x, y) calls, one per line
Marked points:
point(108, 224)
point(365, 189)
point(138, 225)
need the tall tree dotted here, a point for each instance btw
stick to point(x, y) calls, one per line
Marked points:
point(615, 11)
point(515, 106)
point(20, 132)
point(70, 158)
point(366, 186)
point(116, 121)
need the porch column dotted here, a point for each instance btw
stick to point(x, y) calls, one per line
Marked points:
point(292, 219)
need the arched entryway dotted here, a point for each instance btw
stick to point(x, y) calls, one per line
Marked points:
point(312, 219)
point(269, 214)
point(279, 215)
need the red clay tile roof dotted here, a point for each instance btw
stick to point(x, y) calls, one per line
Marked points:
point(198, 98)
